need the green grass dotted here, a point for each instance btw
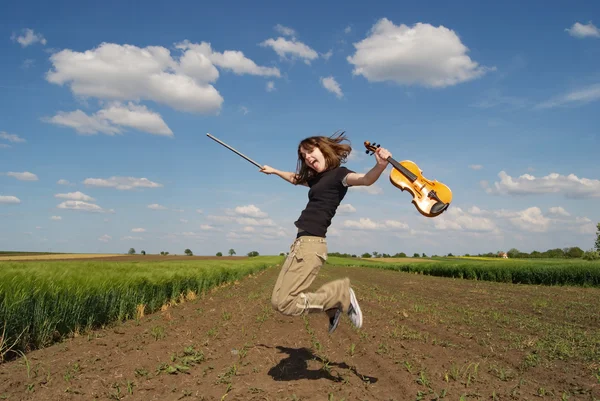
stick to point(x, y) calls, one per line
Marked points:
point(42, 301)
point(575, 272)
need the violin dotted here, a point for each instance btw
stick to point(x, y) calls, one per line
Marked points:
point(431, 198)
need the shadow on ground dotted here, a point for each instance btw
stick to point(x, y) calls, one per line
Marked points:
point(295, 367)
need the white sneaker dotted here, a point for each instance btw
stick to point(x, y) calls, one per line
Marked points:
point(354, 312)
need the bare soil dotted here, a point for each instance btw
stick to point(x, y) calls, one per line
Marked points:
point(423, 338)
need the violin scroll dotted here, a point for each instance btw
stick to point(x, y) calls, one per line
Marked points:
point(371, 148)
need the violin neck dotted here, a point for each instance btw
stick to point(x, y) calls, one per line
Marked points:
point(410, 176)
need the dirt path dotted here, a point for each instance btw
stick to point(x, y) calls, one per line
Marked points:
point(423, 338)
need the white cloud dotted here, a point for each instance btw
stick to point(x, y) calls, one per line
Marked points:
point(250, 211)
point(28, 38)
point(24, 176)
point(370, 189)
point(531, 219)
point(570, 185)
point(83, 123)
point(254, 222)
point(184, 221)
point(332, 86)
point(130, 238)
point(27, 63)
point(79, 196)
point(284, 30)
point(56, 218)
point(156, 206)
point(112, 119)
point(136, 116)
point(130, 73)
point(206, 227)
point(580, 30)
point(4, 146)
point(11, 137)
point(122, 183)
point(475, 210)
point(232, 235)
point(63, 182)
point(292, 48)
point(368, 224)
point(199, 211)
point(417, 55)
point(270, 86)
point(346, 208)
point(577, 97)
point(138, 230)
point(475, 166)
point(457, 219)
point(272, 233)
point(105, 238)
point(559, 210)
point(83, 207)
point(9, 200)
point(196, 55)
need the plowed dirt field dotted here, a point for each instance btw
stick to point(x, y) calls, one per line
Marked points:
point(423, 338)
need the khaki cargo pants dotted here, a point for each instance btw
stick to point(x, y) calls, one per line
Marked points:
point(290, 297)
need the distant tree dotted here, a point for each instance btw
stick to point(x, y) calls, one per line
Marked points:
point(513, 253)
point(575, 252)
point(253, 253)
point(188, 252)
point(231, 252)
point(375, 254)
point(591, 255)
point(219, 254)
point(143, 252)
point(450, 255)
point(353, 255)
point(423, 255)
point(597, 244)
point(282, 254)
point(554, 253)
point(131, 251)
point(415, 255)
point(365, 255)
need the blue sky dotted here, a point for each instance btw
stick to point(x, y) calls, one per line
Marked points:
point(104, 111)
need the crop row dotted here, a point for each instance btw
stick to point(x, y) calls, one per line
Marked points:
point(538, 272)
point(41, 302)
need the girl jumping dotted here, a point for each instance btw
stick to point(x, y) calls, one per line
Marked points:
point(319, 168)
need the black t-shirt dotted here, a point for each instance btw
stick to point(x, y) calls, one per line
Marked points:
point(327, 190)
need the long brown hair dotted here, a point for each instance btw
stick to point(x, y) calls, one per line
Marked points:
point(334, 151)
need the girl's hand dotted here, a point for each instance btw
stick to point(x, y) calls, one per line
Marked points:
point(267, 170)
point(381, 154)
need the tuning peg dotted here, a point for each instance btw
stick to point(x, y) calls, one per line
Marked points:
point(367, 151)
point(378, 145)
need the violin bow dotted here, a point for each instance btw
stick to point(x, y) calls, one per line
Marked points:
point(233, 150)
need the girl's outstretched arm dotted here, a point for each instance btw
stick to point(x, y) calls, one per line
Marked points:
point(356, 179)
point(286, 175)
